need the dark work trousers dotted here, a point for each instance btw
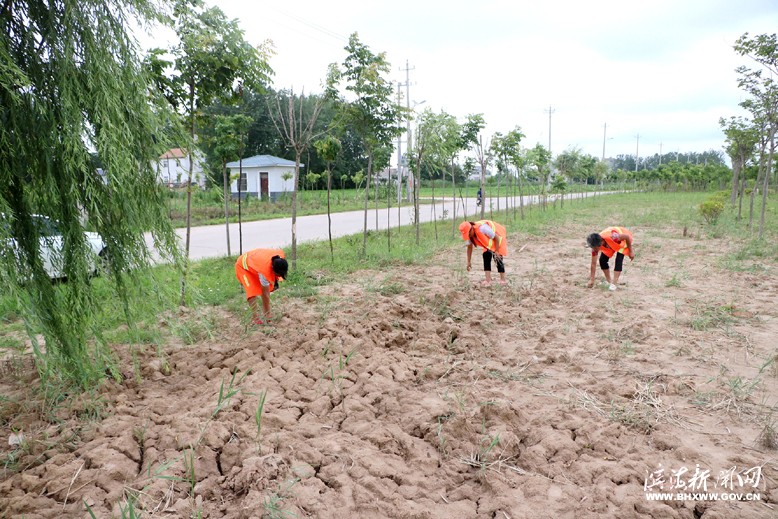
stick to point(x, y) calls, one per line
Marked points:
point(604, 261)
point(488, 263)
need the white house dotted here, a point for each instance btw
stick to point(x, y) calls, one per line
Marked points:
point(173, 168)
point(262, 176)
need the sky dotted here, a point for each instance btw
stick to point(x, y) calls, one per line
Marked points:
point(626, 77)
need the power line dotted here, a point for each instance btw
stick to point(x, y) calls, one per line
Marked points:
point(314, 26)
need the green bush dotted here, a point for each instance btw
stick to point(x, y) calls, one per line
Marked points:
point(722, 196)
point(711, 209)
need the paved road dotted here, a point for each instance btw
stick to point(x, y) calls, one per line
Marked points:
point(210, 241)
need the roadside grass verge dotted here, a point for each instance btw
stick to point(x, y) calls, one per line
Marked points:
point(208, 205)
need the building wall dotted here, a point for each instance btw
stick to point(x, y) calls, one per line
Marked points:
point(175, 171)
point(276, 184)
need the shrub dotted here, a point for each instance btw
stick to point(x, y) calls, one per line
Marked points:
point(722, 196)
point(711, 209)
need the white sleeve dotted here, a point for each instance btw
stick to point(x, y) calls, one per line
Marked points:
point(485, 229)
point(263, 281)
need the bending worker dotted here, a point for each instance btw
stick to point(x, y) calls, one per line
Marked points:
point(492, 238)
point(613, 240)
point(259, 270)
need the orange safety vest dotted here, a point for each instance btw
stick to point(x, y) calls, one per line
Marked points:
point(259, 261)
point(614, 246)
point(500, 242)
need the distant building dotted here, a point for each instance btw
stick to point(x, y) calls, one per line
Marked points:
point(475, 174)
point(262, 176)
point(173, 168)
point(386, 174)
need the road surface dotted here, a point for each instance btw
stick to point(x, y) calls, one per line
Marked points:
point(210, 241)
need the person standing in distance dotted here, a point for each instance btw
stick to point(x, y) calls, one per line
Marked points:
point(259, 271)
point(610, 241)
point(492, 238)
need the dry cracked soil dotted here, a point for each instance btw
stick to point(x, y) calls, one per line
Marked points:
point(413, 392)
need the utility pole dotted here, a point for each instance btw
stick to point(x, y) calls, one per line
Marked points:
point(637, 153)
point(660, 153)
point(550, 111)
point(604, 130)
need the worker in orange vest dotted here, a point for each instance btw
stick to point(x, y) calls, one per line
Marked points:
point(613, 240)
point(492, 238)
point(259, 270)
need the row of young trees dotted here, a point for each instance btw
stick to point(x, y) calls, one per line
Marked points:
point(751, 139)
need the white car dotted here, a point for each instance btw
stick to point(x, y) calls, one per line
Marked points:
point(51, 247)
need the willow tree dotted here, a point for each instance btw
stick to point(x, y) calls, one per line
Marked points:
point(73, 93)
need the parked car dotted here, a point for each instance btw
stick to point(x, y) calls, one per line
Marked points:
point(51, 247)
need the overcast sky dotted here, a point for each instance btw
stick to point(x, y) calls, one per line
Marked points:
point(663, 70)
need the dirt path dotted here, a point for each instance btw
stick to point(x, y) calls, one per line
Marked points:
point(413, 393)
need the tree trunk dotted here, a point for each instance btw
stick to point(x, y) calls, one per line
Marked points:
point(188, 198)
point(329, 212)
point(416, 187)
point(367, 197)
point(388, 210)
point(453, 201)
point(483, 194)
point(399, 197)
point(499, 181)
point(753, 191)
point(434, 210)
point(375, 193)
point(464, 207)
point(507, 193)
point(766, 183)
point(740, 197)
point(226, 205)
point(297, 157)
